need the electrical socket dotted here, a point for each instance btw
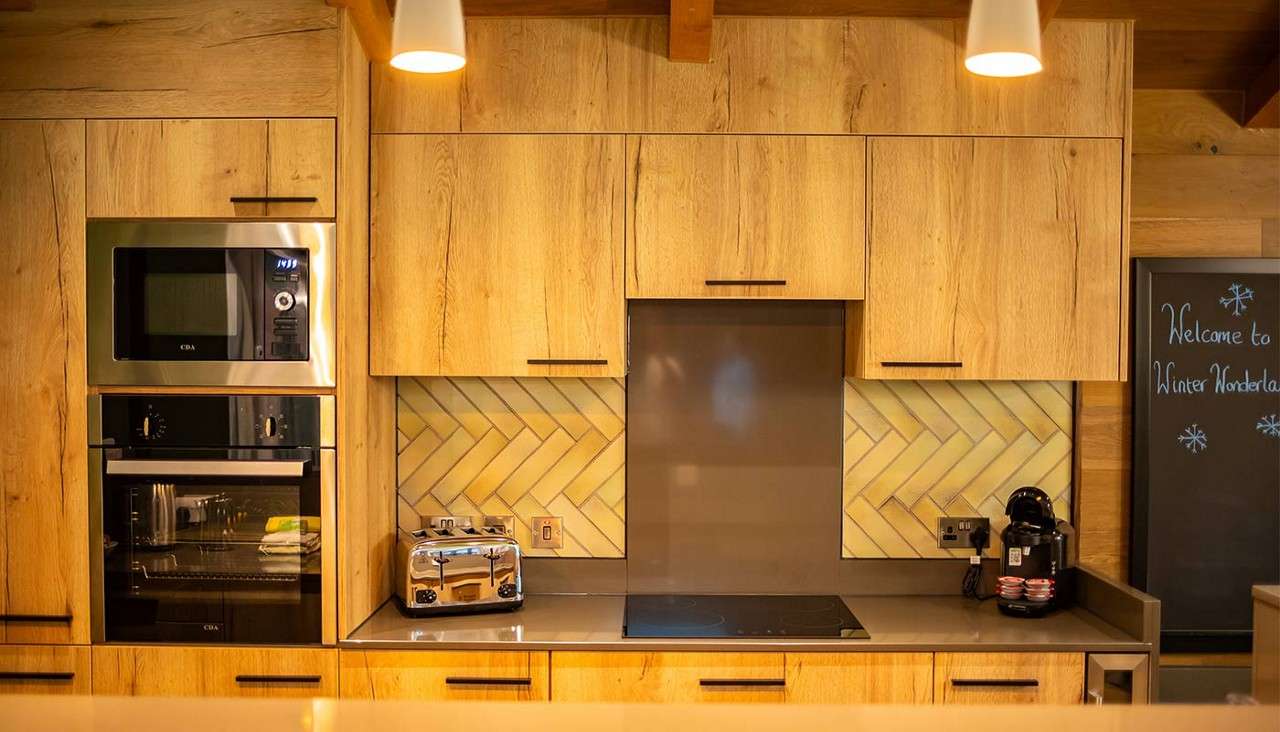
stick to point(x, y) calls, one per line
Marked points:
point(954, 532)
point(548, 532)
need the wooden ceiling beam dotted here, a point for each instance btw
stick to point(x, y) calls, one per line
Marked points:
point(690, 31)
point(1048, 9)
point(1262, 98)
point(372, 21)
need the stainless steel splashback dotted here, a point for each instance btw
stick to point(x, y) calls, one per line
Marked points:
point(733, 446)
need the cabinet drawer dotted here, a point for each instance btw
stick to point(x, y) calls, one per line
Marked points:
point(859, 678)
point(444, 675)
point(202, 168)
point(667, 677)
point(45, 670)
point(189, 671)
point(1004, 678)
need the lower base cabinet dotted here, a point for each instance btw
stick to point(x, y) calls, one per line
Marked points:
point(1008, 678)
point(210, 671)
point(859, 678)
point(45, 670)
point(444, 675)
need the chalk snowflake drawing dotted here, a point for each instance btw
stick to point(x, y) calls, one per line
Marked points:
point(1194, 439)
point(1269, 426)
point(1235, 299)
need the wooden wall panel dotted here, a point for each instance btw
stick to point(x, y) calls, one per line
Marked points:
point(1203, 186)
point(196, 58)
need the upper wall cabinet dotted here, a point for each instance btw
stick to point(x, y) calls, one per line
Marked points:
point(153, 58)
point(200, 168)
point(497, 255)
point(767, 75)
point(745, 216)
point(991, 258)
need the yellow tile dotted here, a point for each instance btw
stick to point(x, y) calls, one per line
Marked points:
point(612, 392)
point(903, 467)
point(407, 519)
point(533, 468)
point(892, 410)
point(468, 467)
point(426, 506)
point(590, 406)
point(876, 460)
point(524, 406)
point(401, 442)
point(556, 406)
point(1051, 401)
point(415, 396)
point(1066, 388)
point(1057, 482)
point(1024, 408)
point(881, 532)
point(991, 408)
point(1037, 466)
point(856, 446)
point(861, 411)
point(458, 406)
point(424, 479)
point(407, 421)
point(581, 529)
point(921, 539)
point(968, 468)
point(613, 490)
point(999, 470)
point(923, 407)
point(944, 458)
point(460, 506)
point(479, 393)
point(928, 513)
point(957, 408)
point(574, 461)
point(605, 464)
point(415, 453)
point(502, 465)
point(606, 521)
point(856, 543)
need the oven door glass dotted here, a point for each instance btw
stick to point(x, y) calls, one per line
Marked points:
point(188, 304)
point(212, 546)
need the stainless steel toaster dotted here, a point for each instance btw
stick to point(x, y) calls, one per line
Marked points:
point(453, 566)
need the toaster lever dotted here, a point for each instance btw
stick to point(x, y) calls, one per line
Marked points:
point(440, 561)
point(493, 556)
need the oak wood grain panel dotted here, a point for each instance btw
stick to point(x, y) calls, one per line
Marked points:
point(404, 101)
point(629, 676)
point(425, 675)
point(300, 163)
point(212, 671)
point(518, 237)
point(953, 278)
point(1196, 237)
point(142, 58)
point(859, 678)
point(44, 563)
point(1102, 471)
point(366, 404)
point(1266, 653)
point(1192, 122)
point(726, 207)
point(72, 660)
point(1203, 186)
point(1060, 678)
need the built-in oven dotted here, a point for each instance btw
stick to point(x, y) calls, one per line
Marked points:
point(202, 303)
point(211, 518)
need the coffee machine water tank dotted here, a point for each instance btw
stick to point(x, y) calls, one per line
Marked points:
point(1037, 561)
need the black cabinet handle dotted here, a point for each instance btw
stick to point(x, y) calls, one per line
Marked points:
point(487, 681)
point(922, 364)
point(568, 362)
point(995, 682)
point(36, 675)
point(277, 679)
point(730, 283)
point(19, 618)
point(274, 199)
point(742, 682)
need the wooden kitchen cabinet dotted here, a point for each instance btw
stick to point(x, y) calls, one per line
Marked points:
point(213, 671)
point(1008, 678)
point(45, 670)
point(671, 677)
point(204, 168)
point(991, 258)
point(497, 255)
point(859, 678)
point(44, 562)
point(444, 675)
point(746, 216)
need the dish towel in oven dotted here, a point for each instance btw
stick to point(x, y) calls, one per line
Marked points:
point(289, 542)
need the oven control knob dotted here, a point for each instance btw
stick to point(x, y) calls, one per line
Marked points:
point(284, 301)
point(152, 426)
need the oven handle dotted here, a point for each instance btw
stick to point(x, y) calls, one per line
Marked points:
point(241, 468)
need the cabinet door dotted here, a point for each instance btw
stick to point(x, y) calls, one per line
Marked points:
point(202, 168)
point(745, 216)
point(497, 255)
point(210, 671)
point(994, 258)
point(630, 676)
point(445, 675)
point(44, 563)
point(44, 670)
point(860, 678)
point(1008, 678)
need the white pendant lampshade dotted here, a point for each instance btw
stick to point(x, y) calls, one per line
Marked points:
point(428, 37)
point(1004, 38)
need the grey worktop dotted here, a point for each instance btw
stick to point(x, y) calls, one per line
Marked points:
point(896, 623)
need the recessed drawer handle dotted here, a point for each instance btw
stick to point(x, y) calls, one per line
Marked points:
point(36, 675)
point(730, 283)
point(274, 199)
point(19, 618)
point(742, 682)
point(277, 679)
point(922, 364)
point(995, 682)
point(568, 362)
point(487, 681)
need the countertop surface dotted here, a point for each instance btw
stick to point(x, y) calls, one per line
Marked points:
point(1270, 594)
point(896, 623)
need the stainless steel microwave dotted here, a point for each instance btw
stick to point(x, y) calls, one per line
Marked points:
point(210, 303)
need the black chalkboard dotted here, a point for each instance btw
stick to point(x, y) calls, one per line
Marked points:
point(1206, 490)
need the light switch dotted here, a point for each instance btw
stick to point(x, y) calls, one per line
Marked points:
point(548, 532)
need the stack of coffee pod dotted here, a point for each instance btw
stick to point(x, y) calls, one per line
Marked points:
point(1010, 588)
point(1039, 590)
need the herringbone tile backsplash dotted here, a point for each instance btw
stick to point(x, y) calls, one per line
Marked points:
point(913, 451)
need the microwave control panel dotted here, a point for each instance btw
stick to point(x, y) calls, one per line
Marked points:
point(285, 279)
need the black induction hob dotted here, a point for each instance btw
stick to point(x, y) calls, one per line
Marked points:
point(739, 616)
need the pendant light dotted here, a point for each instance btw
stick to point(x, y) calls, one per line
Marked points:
point(1004, 38)
point(427, 36)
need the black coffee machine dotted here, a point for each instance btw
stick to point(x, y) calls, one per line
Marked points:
point(1037, 549)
